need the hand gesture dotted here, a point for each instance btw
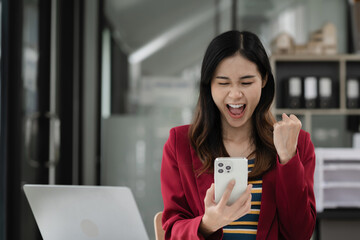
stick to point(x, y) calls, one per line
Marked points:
point(219, 215)
point(286, 134)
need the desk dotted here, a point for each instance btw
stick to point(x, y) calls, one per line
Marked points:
point(338, 224)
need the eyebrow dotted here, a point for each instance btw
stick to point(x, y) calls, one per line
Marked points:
point(241, 78)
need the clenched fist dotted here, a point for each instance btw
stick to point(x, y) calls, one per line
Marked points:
point(286, 134)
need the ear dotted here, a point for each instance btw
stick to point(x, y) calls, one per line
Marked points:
point(264, 81)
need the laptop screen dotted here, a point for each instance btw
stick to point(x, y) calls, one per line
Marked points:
point(85, 212)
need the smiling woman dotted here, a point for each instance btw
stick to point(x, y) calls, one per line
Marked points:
point(233, 119)
point(236, 91)
point(235, 71)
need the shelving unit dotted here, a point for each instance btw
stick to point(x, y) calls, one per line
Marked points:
point(337, 67)
point(337, 178)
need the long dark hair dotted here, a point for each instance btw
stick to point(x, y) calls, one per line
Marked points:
point(205, 132)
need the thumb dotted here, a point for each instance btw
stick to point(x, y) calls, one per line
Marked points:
point(284, 116)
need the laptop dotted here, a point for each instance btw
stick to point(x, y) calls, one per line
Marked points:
point(85, 212)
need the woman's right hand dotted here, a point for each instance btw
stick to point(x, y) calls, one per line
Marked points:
point(218, 215)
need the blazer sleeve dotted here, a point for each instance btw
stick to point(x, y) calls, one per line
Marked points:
point(178, 220)
point(295, 198)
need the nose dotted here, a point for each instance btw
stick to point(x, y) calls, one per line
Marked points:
point(235, 92)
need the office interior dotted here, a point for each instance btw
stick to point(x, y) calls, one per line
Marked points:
point(91, 88)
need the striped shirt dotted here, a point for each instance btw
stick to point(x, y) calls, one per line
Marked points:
point(246, 227)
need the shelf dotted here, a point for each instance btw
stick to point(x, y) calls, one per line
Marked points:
point(340, 213)
point(343, 185)
point(342, 204)
point(336, 167)
point(337, 154)
point(309, 58)
point(316, 111)
point(337, 178)
point(336, 67)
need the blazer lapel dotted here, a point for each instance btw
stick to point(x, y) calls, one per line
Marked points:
point(268, 205)
point(203, 182)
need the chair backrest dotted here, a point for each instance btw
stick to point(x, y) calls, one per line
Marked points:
point(159, 232)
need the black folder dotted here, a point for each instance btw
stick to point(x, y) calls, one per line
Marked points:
point(326, 93)
point(310, 92)
point(352, 93)
point(293, 92)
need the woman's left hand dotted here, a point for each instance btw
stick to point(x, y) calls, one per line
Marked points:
point(286, 134)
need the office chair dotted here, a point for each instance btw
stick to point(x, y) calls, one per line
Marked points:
point(159, 232)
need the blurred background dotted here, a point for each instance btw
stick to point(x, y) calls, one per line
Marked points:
point(91, 88)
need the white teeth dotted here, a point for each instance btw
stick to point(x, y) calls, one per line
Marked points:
point(236, 106)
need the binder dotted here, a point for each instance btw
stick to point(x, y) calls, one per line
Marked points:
point(352, 123)
point(352, 93)
point(310, 92)
point(293, 90)
point(326, 95)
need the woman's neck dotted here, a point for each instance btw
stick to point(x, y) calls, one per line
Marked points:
point(238, 142)
point(237, 135)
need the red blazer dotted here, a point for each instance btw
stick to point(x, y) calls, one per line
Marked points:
point(287, 205)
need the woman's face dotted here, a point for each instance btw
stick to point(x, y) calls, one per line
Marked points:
point(236, 90)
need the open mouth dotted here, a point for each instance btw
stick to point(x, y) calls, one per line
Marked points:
point(236, 109)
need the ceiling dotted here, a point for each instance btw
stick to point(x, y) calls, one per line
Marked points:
point(168, 36)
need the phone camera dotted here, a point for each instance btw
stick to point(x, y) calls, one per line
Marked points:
point(220, 164)
point(228, 167)
point(220, 171)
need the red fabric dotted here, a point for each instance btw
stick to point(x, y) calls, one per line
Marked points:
point(287, 204)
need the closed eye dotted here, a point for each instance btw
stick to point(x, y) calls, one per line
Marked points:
point(223, 83)
point(246, 83)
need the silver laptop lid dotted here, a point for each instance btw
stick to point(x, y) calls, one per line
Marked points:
point(85, 212)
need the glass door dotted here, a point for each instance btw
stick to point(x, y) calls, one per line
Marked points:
point(32, 108)
point(36, 117)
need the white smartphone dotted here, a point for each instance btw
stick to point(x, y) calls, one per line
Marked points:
point(226, 169)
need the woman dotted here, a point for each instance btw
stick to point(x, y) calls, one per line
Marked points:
point(233, 119)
